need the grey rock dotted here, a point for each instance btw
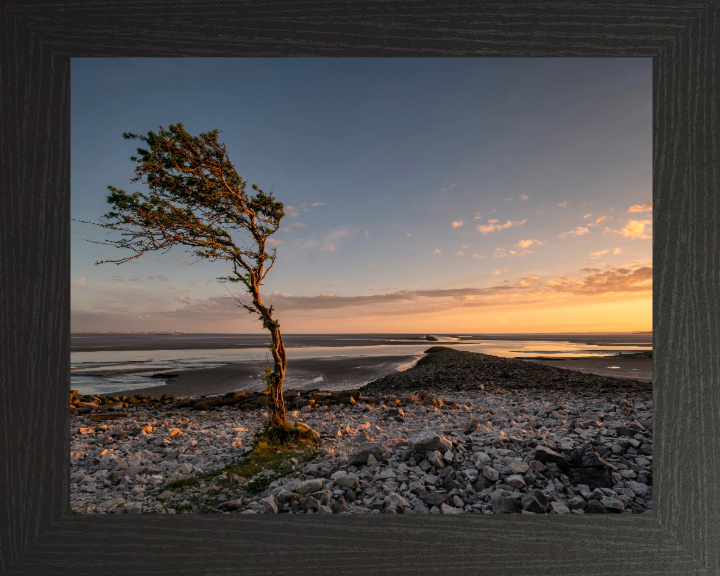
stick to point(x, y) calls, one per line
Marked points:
point(348, 481)
point(640, 489)
point(231, 505)
point(518, 467)
point(613, 504)
point(434, 498)
point(269, 505)
point(504, 504)
point(592, 477)
point(490, 473)
point(309, 503)
point(515, 481)
point(471, 426)
point(396, 502)
point(310, 486)
point(547, 455)
point(436, 459)
point(340, 506)
point(595, 507)
point(362, 454)
point(537, 502)
point(428, 442)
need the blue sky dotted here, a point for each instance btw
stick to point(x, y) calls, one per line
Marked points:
point(387, 167)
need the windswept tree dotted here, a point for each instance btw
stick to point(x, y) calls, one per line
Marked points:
point(197, 199)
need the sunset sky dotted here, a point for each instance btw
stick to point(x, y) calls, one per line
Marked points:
point(421, 195)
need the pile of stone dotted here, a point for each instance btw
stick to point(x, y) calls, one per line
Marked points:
point(549, 451)
point(107, 407)
point(446, 369)
point(293, 399)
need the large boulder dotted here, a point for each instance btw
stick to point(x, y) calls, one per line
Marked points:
point(429, 442)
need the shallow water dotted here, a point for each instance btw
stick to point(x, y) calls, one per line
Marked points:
point(88, 368)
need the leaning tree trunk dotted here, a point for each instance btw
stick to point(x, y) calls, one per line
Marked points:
point(275, 378)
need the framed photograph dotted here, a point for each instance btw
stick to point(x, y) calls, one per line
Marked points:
point(280, 277)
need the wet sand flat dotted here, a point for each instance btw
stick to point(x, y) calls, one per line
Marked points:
point(631, 368)
point(302, 374)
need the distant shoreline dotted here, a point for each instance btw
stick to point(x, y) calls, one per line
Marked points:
point(162, 341)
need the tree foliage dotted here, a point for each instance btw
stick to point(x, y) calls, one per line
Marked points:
point(197, 199)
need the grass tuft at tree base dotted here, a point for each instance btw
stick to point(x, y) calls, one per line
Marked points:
point(285, 434)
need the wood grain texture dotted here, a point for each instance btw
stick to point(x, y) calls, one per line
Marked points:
point(38, 536)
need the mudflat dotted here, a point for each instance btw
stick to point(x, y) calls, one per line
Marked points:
point(629, 368)
point(302, 374)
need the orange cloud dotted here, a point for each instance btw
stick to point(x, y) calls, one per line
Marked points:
point(579, 231)
point(647, 207)
point(493, 226)
point(528, 243)
point(598, 254)
point(634, 229)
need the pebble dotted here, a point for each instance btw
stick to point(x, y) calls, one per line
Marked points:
point(475, 450)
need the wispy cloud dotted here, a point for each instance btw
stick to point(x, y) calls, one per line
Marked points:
point(617, 250)
point(614, 280)
point(524, 197)
point(499, 253)
point(579, 231)
point(437, 251)
point(317, 204)
point(82, 283)
point(457, 223)
point(527, 280)
point(599, 221)
point(493, 225)
point(587, 216)
point(599, 253)
point(408, 234)
point(563, 204)
point(478, 256)
point(460, 253)
point(647, 207)
point(274, 242)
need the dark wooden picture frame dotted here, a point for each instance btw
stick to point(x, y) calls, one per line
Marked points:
point(38, 535)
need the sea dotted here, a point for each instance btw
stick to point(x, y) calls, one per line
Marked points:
point(103, 363)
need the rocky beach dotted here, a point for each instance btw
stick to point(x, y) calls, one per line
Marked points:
point(460, 432)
